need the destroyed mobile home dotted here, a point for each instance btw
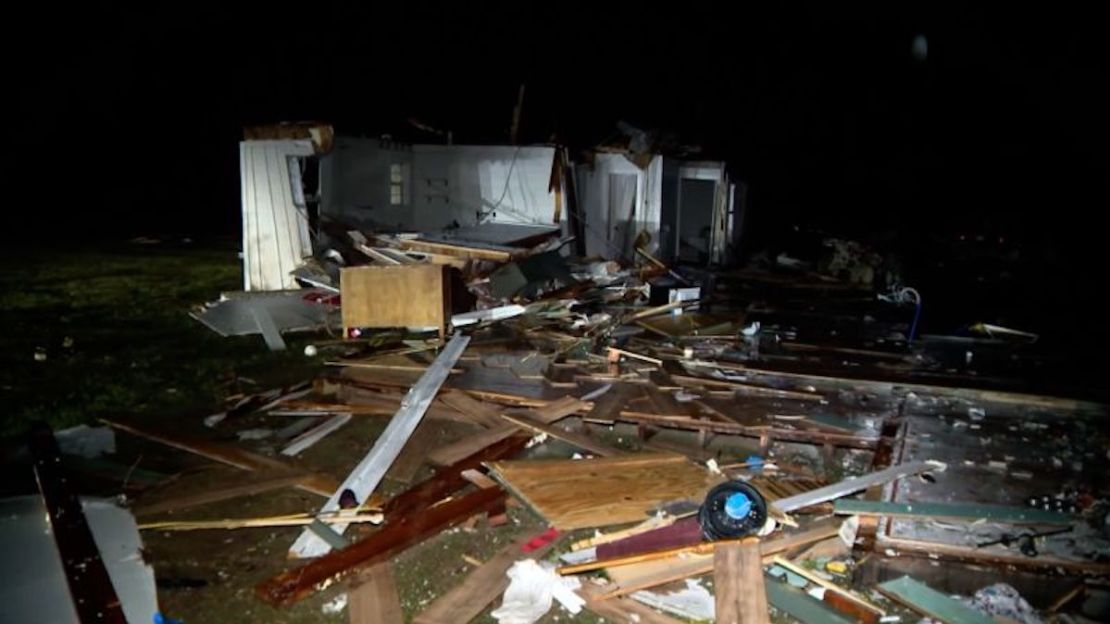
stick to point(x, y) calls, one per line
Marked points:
point(725, 445)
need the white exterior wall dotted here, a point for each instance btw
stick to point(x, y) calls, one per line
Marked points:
point(275, 230)
point(606, 235)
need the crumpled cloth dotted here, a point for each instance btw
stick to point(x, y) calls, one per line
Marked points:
point(1001, 600)
point(532, 587)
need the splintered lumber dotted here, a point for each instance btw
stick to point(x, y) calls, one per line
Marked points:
point(481, 587)
point(926, 600)
point(232, 456)
point(696, 566)
point(575, 494)
point(582, 441)
point(608, 405)
point(454, 451)
point(373, 599)
point(250, 523)
point(458, 250)
point(369, 472)
point(480, 412)
point(965, 511)
point(620, 610)
point(94, 596)
point(314, 435)
point(738, 583)
point(849, 486)
point(397, 535)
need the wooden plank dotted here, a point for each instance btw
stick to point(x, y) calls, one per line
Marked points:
point(247, 485)
point(574, 494)
point(621, 610)
point(450, 453)
point(696, 566)
point(926, 600)
point(582, 441)
point(481, 587)
point(232, 456)
point(966, 511)
point(748, 389)
point(482, 413)
point(848, 602)
point(738, 583)
point(411, 295)
point(374, 600)
point(293, 585)
point(458, 250)
point(94, 596)
point(369, 472)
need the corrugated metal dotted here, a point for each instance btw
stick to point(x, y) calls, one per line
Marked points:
point(275, 230)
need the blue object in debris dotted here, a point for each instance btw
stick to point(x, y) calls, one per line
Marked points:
point(754, 462)
point(738, 506)
point(161, 619)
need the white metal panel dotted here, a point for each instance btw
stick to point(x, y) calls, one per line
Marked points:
point(275, 230)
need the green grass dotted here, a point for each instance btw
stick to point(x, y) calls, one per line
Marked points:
point(117, 337)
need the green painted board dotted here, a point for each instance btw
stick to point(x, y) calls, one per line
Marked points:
point(800, 605)
point(924, 599)
point(951, 510)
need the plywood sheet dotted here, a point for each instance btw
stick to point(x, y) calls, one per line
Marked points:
point(414, 295)
point(574, 494)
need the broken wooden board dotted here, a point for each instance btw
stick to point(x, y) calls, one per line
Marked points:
point(454, 451)
point(232, 456)
point(800, 605)
point(928, 601)
point(738, 583)
point(575, 494)
point(293, 585)
point(480, 412)
point(481, 587)
point(415, 453)
point(698, 565)
point(369, 472)
point(372, 597)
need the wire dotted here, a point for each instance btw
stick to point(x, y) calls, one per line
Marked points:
point(505, 191)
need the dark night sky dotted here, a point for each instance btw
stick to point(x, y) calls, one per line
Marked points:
point(127, 121)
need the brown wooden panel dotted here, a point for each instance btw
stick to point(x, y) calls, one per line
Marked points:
point(373, 599)
point(414, 295)
point(738, 583)
point(574, 494)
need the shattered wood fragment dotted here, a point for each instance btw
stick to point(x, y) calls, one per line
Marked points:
point(454, 451)
point(728, 428)
point(372, 597)
point(232, 456)
point(748, 389)
point(738, 583)
point(482, 413)
point(845, 601)
point(479, 589)
point(800, 605)
point(394, 537)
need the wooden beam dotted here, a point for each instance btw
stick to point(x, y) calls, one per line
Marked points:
point(373, 599)
point(728, 428)
point(738, 583)
point(396, 536)
point(481, 587)
point(232, 456)
point(749, 389)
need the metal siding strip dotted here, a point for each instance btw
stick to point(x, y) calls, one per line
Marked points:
point(369, 472)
